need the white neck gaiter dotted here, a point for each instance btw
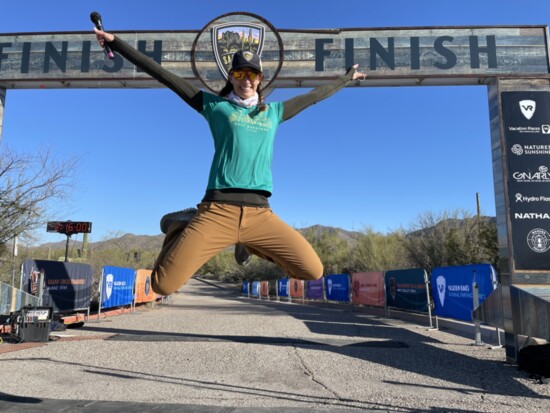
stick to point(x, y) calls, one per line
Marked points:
point(245, 103)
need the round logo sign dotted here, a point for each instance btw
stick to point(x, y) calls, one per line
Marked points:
point(219, 40)
point(538, 240)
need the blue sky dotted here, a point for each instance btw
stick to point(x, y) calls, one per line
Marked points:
point(374, 157)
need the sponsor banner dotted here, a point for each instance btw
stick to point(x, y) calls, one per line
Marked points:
point(526, 119)
point(246, 286)
point(337, 287)
point(264, 288)
point(283, 287)
point(296, 288)
point(368, 288)
point(406, 289)
point(314, 289)
point(255, 290)
point(452, 289)
point(144, 292)
point(67, 285)
point(117, 286)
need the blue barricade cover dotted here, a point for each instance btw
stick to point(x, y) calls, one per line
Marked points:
point(406, 289)
point(246, 286)
point(453, 292)
point(337, 287)
point(117, 288)
point(255, 290)
point(283, 287)
point(67, 285)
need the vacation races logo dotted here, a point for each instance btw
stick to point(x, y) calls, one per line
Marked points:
point(528, 108)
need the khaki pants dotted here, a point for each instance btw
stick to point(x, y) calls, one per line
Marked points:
point(218, 226)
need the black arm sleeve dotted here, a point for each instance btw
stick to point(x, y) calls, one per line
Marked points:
point(189, 93)
point(295, 105)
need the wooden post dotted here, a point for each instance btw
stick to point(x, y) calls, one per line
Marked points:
point(2, 104)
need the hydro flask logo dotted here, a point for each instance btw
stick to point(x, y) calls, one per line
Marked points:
point(528, 108)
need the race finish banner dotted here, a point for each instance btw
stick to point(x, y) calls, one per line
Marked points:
point(67, 285)
point(117, 286)
point(526, 117)
point(291, 57)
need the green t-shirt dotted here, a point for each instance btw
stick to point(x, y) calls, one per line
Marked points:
point(243, 142)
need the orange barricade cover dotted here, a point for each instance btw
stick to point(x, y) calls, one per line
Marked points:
point(296, 288)
point(144, 292)
point(368, 288)
point(264, 288)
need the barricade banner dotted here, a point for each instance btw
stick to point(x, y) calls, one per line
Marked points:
point(246, 286)
point(337, 287)
point(406, 289)
point(452, 289)
point(283, 287)
point(144, 292)
point(117, 286)
point(264, 288)
point(296, 288)
point(67, 285)
point(368, 288)
point(255, 291)
point(314, 289)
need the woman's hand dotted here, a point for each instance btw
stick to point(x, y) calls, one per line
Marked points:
point(103, 37)
point(357, 74)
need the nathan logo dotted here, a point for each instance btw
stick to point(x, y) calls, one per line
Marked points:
point(229, 38)
point(531, 215)
point(541, 176)
point(528, 108)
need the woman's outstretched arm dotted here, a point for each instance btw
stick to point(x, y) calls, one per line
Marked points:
point(189, 93)
point(295, 105)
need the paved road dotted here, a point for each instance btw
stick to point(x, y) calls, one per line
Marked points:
point(212, 351)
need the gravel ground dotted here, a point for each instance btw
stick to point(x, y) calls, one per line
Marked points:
point(211, 348)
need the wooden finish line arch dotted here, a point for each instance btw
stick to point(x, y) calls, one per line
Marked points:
point(513, 62)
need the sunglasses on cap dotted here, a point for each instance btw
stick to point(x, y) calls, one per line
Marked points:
point(241, 74)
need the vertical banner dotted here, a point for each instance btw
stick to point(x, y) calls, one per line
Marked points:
point(255, 290)
point(264, 288)
point(337, 287)
point(117, 286)
point(314, 289)
point(526, 118)
point(452, 289)
point(296, 288)
point(406, 289)
point(283, 287)
point(368, 288)
point(144, 292)
point(67, 285)
point(246, 287)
